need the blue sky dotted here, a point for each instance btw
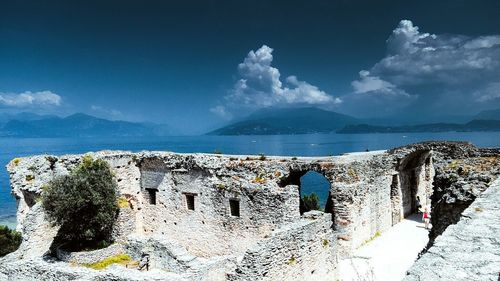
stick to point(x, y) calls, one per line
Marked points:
point(198, 64)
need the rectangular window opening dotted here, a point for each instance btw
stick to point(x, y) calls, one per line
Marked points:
point(190, 201)
point(234, 205)
point(152, 195)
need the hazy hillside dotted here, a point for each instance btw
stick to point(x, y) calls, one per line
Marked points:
point(77, 125)
point(288, 121)
point(472, 126)
point(489, 115)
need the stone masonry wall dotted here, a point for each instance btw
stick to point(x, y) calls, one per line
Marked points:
point(304, 250)
point(366, 197)
point(360, 190)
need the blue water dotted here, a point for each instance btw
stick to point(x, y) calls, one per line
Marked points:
point(289, 145)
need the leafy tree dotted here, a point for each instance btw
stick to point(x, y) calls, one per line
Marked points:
point(83, 204)
point(311, 202)
point(9, 240)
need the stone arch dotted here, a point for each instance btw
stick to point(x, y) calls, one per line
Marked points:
point(412, 180)
point(296, 178)
point(314, 182)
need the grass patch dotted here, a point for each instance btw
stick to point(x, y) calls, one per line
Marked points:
point(123, 259)
point(377, 234)
point(292, 261)
point(122, 202)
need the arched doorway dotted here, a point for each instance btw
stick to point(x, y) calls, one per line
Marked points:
point(412, 185)
point(315, 192)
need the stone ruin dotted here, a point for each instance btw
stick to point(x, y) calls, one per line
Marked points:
point(230, 217)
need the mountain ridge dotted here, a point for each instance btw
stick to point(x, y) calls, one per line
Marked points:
point(287, 121)
point(77, 125)
point(304, 120)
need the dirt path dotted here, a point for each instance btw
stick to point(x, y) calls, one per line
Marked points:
point(388, 257)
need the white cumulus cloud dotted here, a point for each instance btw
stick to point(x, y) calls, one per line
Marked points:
point(415, 57)
point(259, 85)
point(373, 84)
point(30, 99)
point(446, 72)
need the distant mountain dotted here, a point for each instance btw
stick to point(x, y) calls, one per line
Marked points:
point(76, 125)
point(276, 121)
point(472, 126)
point(488, 115)
point(24, 116)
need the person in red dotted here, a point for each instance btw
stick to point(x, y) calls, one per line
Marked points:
point(426, 217)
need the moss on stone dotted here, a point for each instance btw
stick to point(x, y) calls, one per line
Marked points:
point(116, 259)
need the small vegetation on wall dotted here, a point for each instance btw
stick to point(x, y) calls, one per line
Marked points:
point(375, 236)
point(311, 202)
point(260, 178)
point(325, 243)
point(9, 240)
point(83, 204)
point(122, 202)
point(16, 161)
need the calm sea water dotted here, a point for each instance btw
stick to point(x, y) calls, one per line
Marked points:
point(288, 145)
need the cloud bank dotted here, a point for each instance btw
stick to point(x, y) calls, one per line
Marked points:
point(259, 86)
point(30, 99)
point(448, 72)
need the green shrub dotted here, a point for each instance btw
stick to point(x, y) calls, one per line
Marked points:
point(83, 204)
point(311, 202)
point(9, 240)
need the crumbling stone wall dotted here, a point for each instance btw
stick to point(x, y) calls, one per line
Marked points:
point(304, 250)
point(369, 192)
point(460, 173)
point(468, 250)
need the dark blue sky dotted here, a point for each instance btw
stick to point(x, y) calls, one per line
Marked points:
point(187, 63)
